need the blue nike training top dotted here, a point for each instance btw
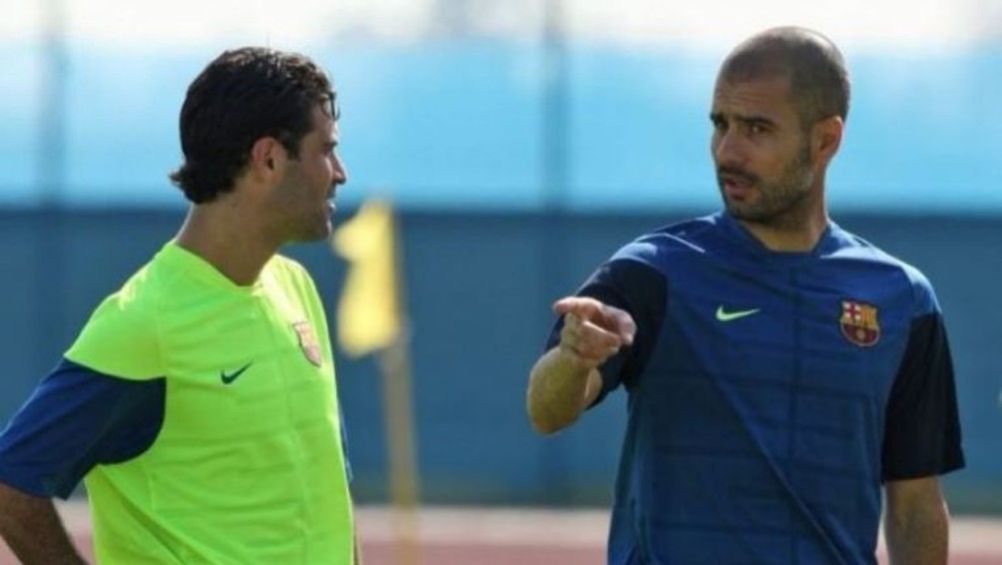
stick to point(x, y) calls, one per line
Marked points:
point(770, 395)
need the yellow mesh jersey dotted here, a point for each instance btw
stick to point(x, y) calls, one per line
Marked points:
point(248, 465)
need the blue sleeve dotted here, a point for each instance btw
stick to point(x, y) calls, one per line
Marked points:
point(639, 289)
point(74, 420)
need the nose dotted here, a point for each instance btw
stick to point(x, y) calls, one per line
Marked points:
point(340, 171)
point(727, 149)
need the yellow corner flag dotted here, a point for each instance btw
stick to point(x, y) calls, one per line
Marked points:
point(368, 320)
point(368, 314)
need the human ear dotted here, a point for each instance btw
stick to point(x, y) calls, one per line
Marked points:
point(827, 137)
point(266, 155)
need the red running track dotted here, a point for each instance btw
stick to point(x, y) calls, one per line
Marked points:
point(482, 536)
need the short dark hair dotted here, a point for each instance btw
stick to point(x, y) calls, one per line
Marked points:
point(241, 96)
point(819, 81)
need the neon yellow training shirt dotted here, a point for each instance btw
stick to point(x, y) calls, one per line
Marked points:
point(248, 464)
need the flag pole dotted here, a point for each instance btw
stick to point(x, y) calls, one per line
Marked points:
point(395, 363)
point(372, 319)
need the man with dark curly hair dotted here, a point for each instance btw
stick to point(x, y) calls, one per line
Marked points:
point(198, 404)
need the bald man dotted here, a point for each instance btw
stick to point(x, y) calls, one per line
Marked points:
point(781, 372)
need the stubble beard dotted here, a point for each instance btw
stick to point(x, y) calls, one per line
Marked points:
point(318, 227)
point(303, 221)
point(782, 203)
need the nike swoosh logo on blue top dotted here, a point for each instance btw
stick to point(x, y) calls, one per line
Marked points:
point(227, 379)
point(725, 316)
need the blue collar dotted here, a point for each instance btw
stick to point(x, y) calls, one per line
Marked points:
point(827, 243)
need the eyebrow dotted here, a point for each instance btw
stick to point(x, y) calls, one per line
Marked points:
point(749, 120)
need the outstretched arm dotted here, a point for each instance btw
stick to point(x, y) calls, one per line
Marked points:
point(916, 524)
point(31, 527)
point(566, 380)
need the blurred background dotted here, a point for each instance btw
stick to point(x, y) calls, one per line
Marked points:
point(522, 142)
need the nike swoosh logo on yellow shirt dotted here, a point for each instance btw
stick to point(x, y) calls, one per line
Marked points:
point(227, 379)
point(725, 316)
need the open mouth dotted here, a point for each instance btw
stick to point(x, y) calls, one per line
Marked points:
point(736, 185)
point(331, 207)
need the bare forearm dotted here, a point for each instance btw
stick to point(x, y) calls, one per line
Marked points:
point(32, 529)
point(922, 542)
point(557, 391)
point(566, 380)
point(917, 532)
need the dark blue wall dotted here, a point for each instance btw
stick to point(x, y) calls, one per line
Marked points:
point(479, 289)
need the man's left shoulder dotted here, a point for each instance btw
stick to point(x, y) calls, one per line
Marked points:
point(284, 262)
point(290, 278)
point(288, 270)
point(869, 257)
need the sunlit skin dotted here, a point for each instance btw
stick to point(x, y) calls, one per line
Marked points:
point(277, 199)
point(770, 167)
point(303, 197)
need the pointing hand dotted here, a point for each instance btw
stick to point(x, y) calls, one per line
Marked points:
point(593, 331)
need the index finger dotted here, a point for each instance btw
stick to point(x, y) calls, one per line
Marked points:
point(609, 318)
point(583, 307)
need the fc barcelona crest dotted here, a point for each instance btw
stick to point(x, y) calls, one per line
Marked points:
point(308, 342)
point(859, 323)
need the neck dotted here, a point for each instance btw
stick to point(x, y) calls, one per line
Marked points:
point(226, 237)
point(789, 238)
point(797, 230)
